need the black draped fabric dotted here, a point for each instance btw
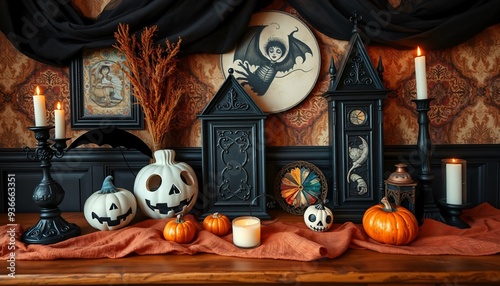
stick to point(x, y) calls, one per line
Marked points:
point(432, 24)
point(52, 31)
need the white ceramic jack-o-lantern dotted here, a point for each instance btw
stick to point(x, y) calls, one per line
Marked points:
point(166, 188)
point(318, 217)
point(111, 207)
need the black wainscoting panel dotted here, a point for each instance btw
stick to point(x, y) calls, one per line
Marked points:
point(72, 180)
point(492, 186)
point(81, 172)
point(26, 180)
point(483, 168)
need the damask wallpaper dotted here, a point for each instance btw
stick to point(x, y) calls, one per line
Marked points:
point(464, 82)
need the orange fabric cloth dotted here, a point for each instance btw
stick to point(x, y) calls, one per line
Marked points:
point(280, 240)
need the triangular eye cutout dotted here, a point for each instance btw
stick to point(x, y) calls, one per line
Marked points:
point(113, 207)
point(174, 190)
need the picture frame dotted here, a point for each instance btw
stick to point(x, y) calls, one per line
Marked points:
point(277, 61)
point(100, 93)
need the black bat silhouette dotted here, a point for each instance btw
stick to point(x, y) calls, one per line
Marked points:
point(266, 71)
point(114, 137)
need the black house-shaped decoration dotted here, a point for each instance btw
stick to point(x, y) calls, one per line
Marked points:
point(233, 149)
point(355, 110)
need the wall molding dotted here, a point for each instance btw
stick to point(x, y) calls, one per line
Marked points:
point(82, 170)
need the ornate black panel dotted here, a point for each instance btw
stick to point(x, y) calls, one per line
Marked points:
point(233, 153)
point(234, 179)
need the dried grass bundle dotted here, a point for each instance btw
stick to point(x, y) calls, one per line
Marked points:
point(152, 73)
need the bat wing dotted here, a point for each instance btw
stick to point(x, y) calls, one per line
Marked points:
point(297, 48)
point(248, 49)
point(114, 137)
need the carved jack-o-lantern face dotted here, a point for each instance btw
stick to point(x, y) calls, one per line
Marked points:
point(318, 217)
point(166, 188)
point(110, 210)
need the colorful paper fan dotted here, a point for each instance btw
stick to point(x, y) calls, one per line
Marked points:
point(299, 185)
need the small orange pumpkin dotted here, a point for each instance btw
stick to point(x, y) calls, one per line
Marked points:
point(390, 225)
point(179, 230)
point(217, 223)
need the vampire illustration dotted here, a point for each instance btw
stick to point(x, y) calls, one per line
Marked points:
point(270, 54)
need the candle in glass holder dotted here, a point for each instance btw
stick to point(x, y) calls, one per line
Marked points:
point(246, 231)
point(454, 174)
point(39, 107)
point(420, 75)
point(59, 122)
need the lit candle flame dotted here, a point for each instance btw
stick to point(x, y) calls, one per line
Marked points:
point(37, 90)
point(58, 105)
point(419, 53)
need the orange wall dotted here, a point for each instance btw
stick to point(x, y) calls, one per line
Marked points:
point(464, 81)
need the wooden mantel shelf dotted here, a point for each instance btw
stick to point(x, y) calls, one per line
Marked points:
point(359, 267)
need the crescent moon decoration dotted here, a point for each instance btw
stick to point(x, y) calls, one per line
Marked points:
point(358, 155)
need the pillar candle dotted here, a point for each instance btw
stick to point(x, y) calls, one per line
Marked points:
point(420, 75)
point(454, 183)
point(246, 231)
point(59, 122)
point(39, 107)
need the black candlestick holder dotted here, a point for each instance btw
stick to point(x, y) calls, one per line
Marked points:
point(427, 207)
point(51, 227)
point(453, 213)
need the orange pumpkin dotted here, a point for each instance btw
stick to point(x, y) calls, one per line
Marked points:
point(218, 224)
point(179, 230)
point(391, 225)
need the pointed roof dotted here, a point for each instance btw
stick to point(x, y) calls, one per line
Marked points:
point(356, 72)
point(231, 100)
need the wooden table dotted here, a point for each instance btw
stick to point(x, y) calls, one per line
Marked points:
point(355, 267)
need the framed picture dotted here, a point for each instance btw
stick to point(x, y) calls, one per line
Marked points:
point(101, 94)
point(277, 61)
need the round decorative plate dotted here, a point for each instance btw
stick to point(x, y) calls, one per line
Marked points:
point(277, 61)
point(299, 185)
